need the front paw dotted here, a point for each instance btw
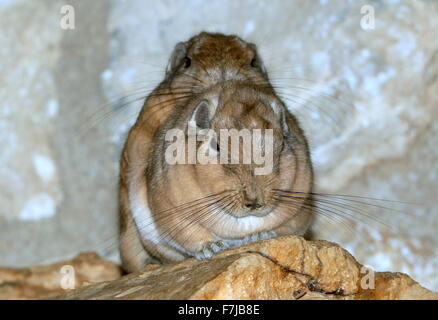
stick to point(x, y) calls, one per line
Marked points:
point(209, 249)
point(265, 235)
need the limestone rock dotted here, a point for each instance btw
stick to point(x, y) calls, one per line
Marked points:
point(45, 281)
point(283, 268)
point(56, 186)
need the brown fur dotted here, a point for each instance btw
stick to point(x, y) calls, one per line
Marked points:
point(222, 69)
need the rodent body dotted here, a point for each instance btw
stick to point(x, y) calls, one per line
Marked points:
point(169, 212)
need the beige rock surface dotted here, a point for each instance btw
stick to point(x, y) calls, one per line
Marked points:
point(56, 188)
point(283, 268)
point(44, 281)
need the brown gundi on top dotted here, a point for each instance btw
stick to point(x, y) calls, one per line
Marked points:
point(215, 159)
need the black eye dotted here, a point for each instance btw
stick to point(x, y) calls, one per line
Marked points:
point(215, 144)
point(254, 63)
point(187, 62)
point(283, 144)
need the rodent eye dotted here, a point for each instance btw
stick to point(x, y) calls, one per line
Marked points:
point(254, 63)
point(187, 62)
point(283, 143)
point(214, 144)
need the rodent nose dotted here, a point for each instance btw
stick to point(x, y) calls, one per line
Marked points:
point(253, 205)
point(253, 198)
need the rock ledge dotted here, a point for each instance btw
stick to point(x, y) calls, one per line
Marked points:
point(283, 268)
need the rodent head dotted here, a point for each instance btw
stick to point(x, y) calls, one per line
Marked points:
point(243, 190)
point(210, 58)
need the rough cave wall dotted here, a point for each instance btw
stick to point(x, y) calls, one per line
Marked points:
point(368, 100)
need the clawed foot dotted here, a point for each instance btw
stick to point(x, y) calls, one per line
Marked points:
point(213, 247)
point(210, 249)
point(265, 235)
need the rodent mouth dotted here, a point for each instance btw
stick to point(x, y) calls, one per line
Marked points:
point(254, 213)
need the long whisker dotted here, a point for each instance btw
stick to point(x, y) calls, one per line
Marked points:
point(347, 196)
point(164, 215)
point(87, 126)
point(167, 234)
point(212, 215)
point(327, 213)
point(336, 205)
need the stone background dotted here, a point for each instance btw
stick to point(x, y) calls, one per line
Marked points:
point(368, 100)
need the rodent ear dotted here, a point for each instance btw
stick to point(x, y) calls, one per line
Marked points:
point(178, 54)
point(258, 59)
point(280, 111)
point(202, 115)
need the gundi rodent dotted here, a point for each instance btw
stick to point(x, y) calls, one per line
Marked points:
point(169, 212)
